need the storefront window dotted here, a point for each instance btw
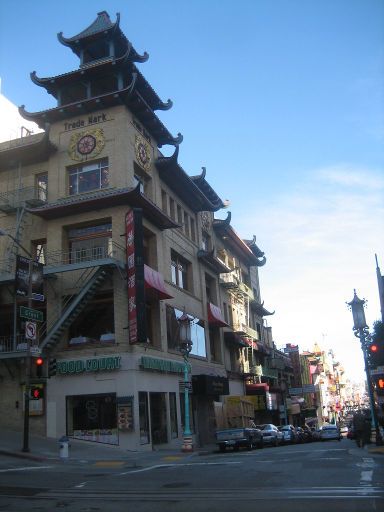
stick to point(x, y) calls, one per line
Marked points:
point(173, 415)
point(159, 432)
point(92, 418)
point(143, 418)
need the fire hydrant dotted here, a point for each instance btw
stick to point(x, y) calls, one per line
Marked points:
point(64, 447)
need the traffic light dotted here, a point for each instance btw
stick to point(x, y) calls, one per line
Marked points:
point(39, 364)
point(36, 393)
point(376, 354)
point(379, 385)
point(52, 367)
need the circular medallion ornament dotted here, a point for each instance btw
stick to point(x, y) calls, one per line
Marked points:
point(88, 144)
point(143, 153)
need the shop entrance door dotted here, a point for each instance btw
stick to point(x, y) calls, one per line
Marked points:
point(158, 407)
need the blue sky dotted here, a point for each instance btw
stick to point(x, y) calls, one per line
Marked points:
point(283, 102)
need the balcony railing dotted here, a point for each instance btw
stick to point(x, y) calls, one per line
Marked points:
point(9, 344)
point(32, 196)
point(229, 280)
point(250, 332)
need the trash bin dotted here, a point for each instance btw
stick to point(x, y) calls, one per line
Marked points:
point(64, 447)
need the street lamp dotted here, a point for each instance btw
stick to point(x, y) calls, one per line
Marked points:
point(361, 331)
point(25, 447)
point(185, 347)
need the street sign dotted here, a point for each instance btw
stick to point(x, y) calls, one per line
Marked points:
point(30, 330)
point(31, 314)
point(35, 351)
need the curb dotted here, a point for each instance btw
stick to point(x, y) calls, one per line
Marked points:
point(23, 455)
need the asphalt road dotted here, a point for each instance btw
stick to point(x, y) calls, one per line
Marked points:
point(332, 476)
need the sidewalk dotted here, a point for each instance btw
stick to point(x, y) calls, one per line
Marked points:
point(48, 449)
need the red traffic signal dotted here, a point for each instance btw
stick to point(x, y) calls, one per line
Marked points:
point(39, 364)
point(380, 384)
point(36, 393)
point(373, 348)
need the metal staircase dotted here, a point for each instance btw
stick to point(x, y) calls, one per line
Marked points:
point(72, 309)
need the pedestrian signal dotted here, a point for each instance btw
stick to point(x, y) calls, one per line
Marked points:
point(36, 393)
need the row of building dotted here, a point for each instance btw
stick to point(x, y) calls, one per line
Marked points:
point(116, 241)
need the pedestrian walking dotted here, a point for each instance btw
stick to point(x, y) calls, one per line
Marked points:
point(358, 426)
point(367, 428)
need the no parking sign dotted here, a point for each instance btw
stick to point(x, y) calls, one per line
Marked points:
point(30, 330)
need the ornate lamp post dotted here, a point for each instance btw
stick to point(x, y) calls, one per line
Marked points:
point(185, 347)
point(361, 331)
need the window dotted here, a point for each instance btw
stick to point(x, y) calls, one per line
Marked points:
point(206, 241)
point(87, 177)
point(149, 248)
point(96, 322)
point(186, 224)
point(143, 417)
point(210, 289)
point(179, 215)
point(180, 271)
point(42, 187)
point(193, 230)
point(90, 243)
point(164, 201)
point(172, 208)
point(197, 332)
point(39, 248)
point(136, 181)
point(214, 344)
point(173, 415)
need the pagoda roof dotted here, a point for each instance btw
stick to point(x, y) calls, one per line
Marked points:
point(130, 97)
point(188, 189)
point(108, 198)
point(260, 309)
point(256, 250)
point(206, 188)
point(103, 68)
point(225, 231)
point(102, 27)
point(26, 150)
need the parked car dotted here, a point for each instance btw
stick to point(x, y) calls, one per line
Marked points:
point(239, 437)
point(271, 434)
point(330, 432)
point(289, 434)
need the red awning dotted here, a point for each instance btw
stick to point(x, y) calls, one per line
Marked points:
point(250, 343)
point(154, 285)
point(215, 316)
point(263, 386)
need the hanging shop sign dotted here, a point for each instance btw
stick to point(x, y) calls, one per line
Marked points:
point(24, 280)
point(135, 276)
point(88, 365)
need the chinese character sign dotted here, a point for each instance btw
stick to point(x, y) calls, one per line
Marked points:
point(135, 276)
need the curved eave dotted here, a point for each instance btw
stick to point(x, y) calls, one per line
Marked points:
point(102, 27)
point(27, 150)
point(178, 180)
point(131, 197)
point(230, 238)
point(256, 251)
point(131, 100)
point(260, 309)
point(207, 190)
point(212, 262)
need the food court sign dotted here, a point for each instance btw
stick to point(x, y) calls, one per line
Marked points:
point(100, 364)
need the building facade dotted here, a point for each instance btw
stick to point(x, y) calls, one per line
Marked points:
point(116, 242)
